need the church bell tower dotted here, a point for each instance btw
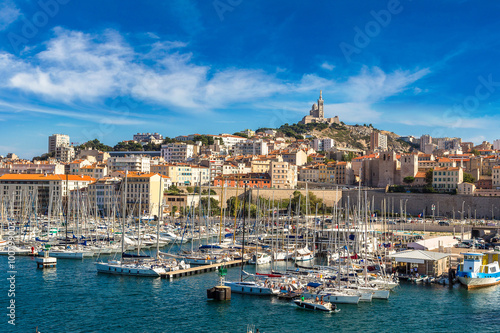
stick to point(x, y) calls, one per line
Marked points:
point(321, 114)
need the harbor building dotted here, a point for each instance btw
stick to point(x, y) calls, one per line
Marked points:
point(425, 262)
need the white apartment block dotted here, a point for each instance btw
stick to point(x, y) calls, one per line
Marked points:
point(229, 140)
point(200, 174)
point(495, 177)
point(250, 147)
point(57, 140)
point(323, 144)
point(129, 163)
point(378, 141)
point(177, 152)
point(65, 153)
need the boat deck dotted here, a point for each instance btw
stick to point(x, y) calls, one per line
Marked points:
point(199, 269)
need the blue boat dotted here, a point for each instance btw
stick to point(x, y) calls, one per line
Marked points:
point(479, 270)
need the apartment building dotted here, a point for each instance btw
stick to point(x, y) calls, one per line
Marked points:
point(64, 153)
point(39, 190)
point(446, 179)
point(200, 174)
point(250, 147)
point(495, 177)
point(58, 140)
point(378, 141)
point(129, 163)
point(105, 195)
point(177, 152)
point(323, 144)
point(39, 167)
point(327, 173)
point(144, 193)
point(343, 173)
point(309, 174)
point(296, 157)
point(283, 175)
point(95, 170)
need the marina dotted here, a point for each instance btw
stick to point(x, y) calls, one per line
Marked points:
point(151, 305)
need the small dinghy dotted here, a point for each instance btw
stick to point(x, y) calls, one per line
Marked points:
point(316, 305)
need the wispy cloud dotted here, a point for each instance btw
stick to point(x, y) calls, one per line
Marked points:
point(76, 67)
point(9, 13)
point(327, 66)
point(373, 85)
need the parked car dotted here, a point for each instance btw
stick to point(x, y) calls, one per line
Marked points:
point(444, 224)
point(462, 245)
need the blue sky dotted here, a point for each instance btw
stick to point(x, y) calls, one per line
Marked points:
point(107, 70)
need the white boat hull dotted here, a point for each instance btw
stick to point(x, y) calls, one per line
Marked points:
point(336, 298)
point(132, 270)
point(471, 283)
point(249, 288)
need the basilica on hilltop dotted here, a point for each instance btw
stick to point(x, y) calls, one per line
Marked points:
point(317, 115)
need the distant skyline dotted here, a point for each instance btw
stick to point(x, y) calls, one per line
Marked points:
point(108, 70)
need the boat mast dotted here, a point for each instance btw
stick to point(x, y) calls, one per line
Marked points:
point(124, 211)
point(243, 242)
point(221, 212)
point(159, 217)
point(67, 209)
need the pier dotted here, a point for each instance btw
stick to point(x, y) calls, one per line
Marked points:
point(200, 269)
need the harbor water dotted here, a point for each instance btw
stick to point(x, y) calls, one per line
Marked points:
point(74, 298)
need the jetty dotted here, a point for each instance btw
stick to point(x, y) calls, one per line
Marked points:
point(200, 269)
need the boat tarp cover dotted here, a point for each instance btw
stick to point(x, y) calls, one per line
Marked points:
point(313, 284)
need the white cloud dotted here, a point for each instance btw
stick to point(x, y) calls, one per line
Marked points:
point(373, 85)
point(83, 67)
point(9, 13)
point(327, 66)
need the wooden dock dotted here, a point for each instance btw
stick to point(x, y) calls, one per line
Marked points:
point(200, 269)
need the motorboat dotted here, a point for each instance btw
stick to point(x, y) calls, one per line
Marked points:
point(316, 305)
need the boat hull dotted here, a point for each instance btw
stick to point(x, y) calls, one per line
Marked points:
point(472, 283)
point(127, 270)
point(336, 298)
point(326, 307)
point(249, 289)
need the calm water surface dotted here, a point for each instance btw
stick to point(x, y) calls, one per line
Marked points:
point(74, 298)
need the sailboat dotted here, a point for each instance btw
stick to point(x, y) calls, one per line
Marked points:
point(136, 266)
point(248, 287)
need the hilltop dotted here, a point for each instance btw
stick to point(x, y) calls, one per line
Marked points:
point(345, 136)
